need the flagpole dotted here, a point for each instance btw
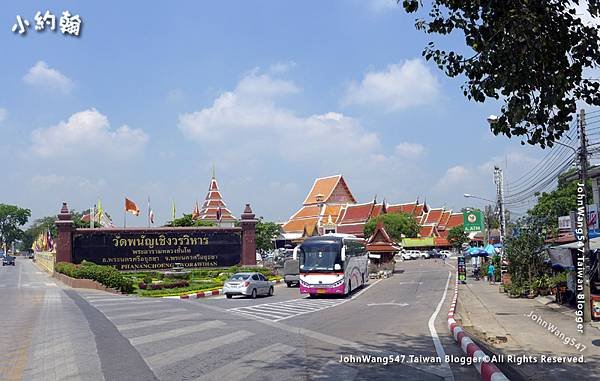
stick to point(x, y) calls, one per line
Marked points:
point(125, 217)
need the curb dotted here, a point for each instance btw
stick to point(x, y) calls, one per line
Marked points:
point(487, 369)
point(206, 294)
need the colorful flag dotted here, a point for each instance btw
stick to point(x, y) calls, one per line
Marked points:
point(150, 213)
point(131, 207)
point(50, 241)
point(100, 212)
point(173, 211)
point(196, 212)
point(44, 242)
point(219, 214)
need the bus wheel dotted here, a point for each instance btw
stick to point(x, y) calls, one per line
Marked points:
point(312, 295)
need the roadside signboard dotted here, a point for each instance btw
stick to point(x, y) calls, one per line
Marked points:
point(462, 269)
point(473, 221)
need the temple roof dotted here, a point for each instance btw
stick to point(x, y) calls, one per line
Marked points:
point(213, 203)
point(434, 216)
point(380, 241)
point(427, 230)
point(333, 189)
point(455, 219)
point(298, 226)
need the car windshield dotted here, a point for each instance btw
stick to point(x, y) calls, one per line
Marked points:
point(320, 256)
point(239, 277)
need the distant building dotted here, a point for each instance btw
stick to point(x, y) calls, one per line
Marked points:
point(321, 207)
point(214, 208)
point(331, 207)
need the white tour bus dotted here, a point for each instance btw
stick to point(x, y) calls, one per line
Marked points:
point(332, 264)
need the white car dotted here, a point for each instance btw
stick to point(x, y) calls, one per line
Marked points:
point(247, 284)
point(447, 253)
point(424, 254)
point(406, 256)
point(414, 254)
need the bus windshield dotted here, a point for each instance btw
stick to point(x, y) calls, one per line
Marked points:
point(321, 256)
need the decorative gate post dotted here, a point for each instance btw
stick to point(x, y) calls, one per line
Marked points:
point(248, 223)
point(64, 225)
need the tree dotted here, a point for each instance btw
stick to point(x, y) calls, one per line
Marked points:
point(397, 225)
point(11, 219)
point(525, 252)
point(457, 236)
point(559, 202)
point(265, 232)
point(38, 227)
point(531, 55)
point(187, 220)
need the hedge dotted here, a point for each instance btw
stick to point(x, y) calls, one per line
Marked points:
point(106, 275)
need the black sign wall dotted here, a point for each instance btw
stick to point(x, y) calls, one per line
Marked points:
point(155, 250)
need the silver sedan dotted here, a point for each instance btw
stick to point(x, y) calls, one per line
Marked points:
point(247, 284)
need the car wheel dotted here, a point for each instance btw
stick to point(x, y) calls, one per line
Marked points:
point(271, 291)
point(253, 295)
point(229, 296)
point(289, 284)
point(312, 295)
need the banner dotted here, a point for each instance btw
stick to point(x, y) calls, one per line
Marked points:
point(473, 221)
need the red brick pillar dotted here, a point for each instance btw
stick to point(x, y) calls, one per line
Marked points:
point(248, 237)
point(64, 225)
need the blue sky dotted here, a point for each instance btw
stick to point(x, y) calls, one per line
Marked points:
point(273, 93)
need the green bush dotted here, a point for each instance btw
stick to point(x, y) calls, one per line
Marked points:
point(106, 275)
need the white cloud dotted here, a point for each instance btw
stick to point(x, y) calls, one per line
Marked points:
point(454, 178)
point(247, 120)
point(41, 75)
point(3, 114)
point(398, 87)
point(382, 5)
point(409, 150)
point(87, 134)
point(281, 67)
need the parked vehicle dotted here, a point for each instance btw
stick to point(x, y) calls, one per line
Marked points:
point(8, 260)
point(332, 264)
point(415, 254)
point(425, 254)
point(248, 284)
point(447, 253)
point(291, 272)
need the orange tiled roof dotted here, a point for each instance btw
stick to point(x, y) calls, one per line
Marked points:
point(356, 213)
point(307, 211)
point(298, 226)
point(434, 216)
point(405, 208)
point(356, 229)
point(427, 230)
point(455, 219)
point(441, 241)
point(444, 219)
point(330, 186)
point(333, 211)
point(213, 203)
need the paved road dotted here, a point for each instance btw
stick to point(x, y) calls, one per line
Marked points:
point(283, 337)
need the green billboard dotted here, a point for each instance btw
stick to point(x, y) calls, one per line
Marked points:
point(473, 221)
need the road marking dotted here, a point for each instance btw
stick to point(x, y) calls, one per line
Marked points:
point(240, 369)
point(131, 306)
point(158, 322)
point(120, 301)
point(288, 309)
point(176, 332)
point(140, 314)
point(333, 370)
point(20, 271)
point(387, 304)
point(184, 352)
point(448, 376)
point(116, 299)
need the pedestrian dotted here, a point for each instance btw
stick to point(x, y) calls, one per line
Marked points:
point(490, 274)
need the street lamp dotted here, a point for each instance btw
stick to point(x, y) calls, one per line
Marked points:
point(467, 195)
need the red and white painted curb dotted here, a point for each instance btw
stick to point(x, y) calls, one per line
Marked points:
point(206, 294)
point(487, 369)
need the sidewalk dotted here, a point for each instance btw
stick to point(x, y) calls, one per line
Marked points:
point(522, 327)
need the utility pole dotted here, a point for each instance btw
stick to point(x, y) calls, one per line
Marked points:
point(499, 180)
point(583, 165)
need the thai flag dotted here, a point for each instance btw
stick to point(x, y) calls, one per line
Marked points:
point(50, 241)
